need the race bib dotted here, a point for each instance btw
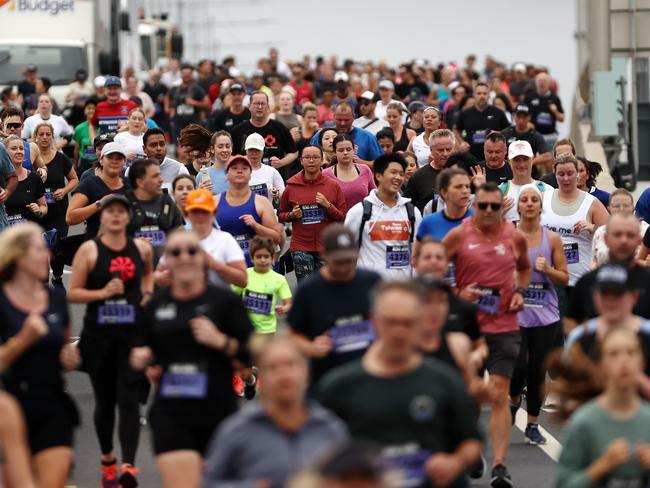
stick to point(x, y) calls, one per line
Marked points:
point(572, 252)
point(312, 213)
point(398, 257)
point(405, 465)
point(184, 381)
point(16, 219)
point(49, 196)
point(489, 301)
point(114, 312)
point(536, 295)
point(244, 243)
point(352, 337)
point(89, 153)
point(153, 234)
point(450, 275)
point(261, 190)
point(184, 110)
point(261, 303)
point(479, 137)
point(544, 118)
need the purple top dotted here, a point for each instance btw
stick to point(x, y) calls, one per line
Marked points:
point(541, 304)
point(356, 190)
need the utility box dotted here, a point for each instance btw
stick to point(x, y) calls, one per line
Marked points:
point(606, 100)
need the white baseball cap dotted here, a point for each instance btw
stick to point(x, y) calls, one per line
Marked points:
point(387, 84)
point(254, 141)
point(520, 148)
point(341, 76)
point(113, 147)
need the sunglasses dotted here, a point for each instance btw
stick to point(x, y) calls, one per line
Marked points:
point(14, 125)
point(493, 205)
point(190, 251)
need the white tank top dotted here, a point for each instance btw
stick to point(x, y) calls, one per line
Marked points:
point(421, 150)
point(577, 247)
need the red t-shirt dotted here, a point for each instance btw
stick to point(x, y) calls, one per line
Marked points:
point(109, 116)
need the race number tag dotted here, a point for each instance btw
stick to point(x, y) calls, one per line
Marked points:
point(16, 219)
point(572, 253)
point(184, 110)
point(312, 213)
point(479, 137)
point(184, 381)
point(260, 189)
point(49, 196)
point(348, 337)
point(405, 465)
point(450, 275)
point(244, 243)
point(153, 234)
point(116, 312)
point(261, 303)
point(89, 152)
point(489, 301)
point(544, 118)
point(536, 295)
point(398, 257)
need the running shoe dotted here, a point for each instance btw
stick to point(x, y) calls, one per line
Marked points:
point(552, 403)
point(128, 477)
point(477, 471)
point(238, 385)
point(500, 477)
point(533, 435)
point(109, 476)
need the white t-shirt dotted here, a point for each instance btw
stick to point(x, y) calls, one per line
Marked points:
point(421, 149)
point(130, 143)
point(264, 179)
point(61, 127)
point(512, 190)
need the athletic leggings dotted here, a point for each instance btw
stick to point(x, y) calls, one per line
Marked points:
point(111, 391)
point(530, 371)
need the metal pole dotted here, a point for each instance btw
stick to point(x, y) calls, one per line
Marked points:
point(598, 35)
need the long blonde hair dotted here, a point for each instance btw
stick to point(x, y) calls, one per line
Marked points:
point(14, 243)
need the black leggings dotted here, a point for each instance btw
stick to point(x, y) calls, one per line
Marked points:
point(111, 389)
point(536, 344)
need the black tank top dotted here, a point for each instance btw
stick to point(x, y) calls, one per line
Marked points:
point(403, 143)
point(126, 265)
point(443, 353)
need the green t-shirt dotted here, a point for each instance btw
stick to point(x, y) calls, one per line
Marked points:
point(82, 137)
point(259, 298)
point(590, 432)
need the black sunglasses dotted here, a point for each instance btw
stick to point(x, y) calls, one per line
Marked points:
point(493, 205)
point(177, 251)
point(14, 125)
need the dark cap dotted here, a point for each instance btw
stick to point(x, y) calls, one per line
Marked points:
point(416, 106)
point(102, 139)
point(81, 75)
point(31, 68)
point(236, 87)
point(339, 242)
point(113, 81)
point(433, 283)
point(522, 109)
point(113, 199)
point(614, 278)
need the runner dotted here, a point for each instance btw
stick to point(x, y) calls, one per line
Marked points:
point(112, 274)
point(181, 188)
point(393, 385)
point(494, 167)
point(420, 144)
point(131, 138)
point(331, 310)
point(112, 113)
point(155, 147)
point(521, 130)
point(573, 214)
point(403, 136)
point(540, 318)
point(488, 251)
point(368, 120)
point(84, 136)
point(279, 422)
point(194, 332)
point(98, 144)
point(12, 125)
point(326, 141)
point(35, 330)
point(221, 143)
point(356, 180)
point(384, 223)
point(242, 213)
point(265, 180)
point(310, 202)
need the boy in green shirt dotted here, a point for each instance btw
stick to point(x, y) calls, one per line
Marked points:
point(264, 286)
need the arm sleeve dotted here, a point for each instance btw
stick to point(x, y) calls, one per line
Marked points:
point(232, 252)
point(284, 291)
point(353, 219)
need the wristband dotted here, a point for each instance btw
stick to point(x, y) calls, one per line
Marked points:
point(521, 291)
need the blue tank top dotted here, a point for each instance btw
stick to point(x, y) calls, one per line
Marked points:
point(27, 163)
point(540, 303)
point(228, 218)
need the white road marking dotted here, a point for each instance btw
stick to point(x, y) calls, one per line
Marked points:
point(552, 448)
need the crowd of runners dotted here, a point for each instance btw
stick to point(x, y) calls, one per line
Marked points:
point(339, 267)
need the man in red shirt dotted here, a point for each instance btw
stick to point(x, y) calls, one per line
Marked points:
point(311, 201)
point(113, 113)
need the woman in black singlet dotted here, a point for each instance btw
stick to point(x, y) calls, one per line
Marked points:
point(403, 136)
point(36, 350)
point(112, 274)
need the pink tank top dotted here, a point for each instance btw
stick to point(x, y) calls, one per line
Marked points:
point(491, 264)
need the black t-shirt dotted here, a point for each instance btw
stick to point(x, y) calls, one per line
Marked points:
point(498, 176)
point(277, 139)
point(534, 138)
point(28, 191)
point(409, 417)
point(475, 126)
point(462, 318)
point(542, 117)
point(57, 171)
point(550, 179)
point(95, 189)
point(226, 120)
point(195, 377)
point(320, 305)
point(26, 89)
point(581, 306)
point(186, 114)
point(422, 186)
point(416, 91)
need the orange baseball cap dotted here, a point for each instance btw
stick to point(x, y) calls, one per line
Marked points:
point(200, 199)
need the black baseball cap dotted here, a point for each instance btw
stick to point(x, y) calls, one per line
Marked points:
point(613, 278)
point(522, 109)
point(339, 242)
point(113, 81)
point(102, 139)
point(116, 199)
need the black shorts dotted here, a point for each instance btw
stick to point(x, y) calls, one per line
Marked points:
point(50, 419)
point(503, 352)
point(175, 431)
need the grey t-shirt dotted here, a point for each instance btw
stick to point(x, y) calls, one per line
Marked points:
point(6, 168)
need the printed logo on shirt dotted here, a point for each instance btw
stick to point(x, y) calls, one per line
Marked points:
point(472, 246)
point(389, 230)
point(500, 249)
point(270, 140)
point(422, 408)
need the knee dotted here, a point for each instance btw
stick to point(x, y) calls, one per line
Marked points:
point(499, 390)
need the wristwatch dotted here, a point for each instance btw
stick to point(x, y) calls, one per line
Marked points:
point(521, 291)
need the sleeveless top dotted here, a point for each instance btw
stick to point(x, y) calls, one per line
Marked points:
point(491, 264)
point(403, 142)
point(540, 303)
point(577, 247)
point(422, 150)
point(228, 218)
